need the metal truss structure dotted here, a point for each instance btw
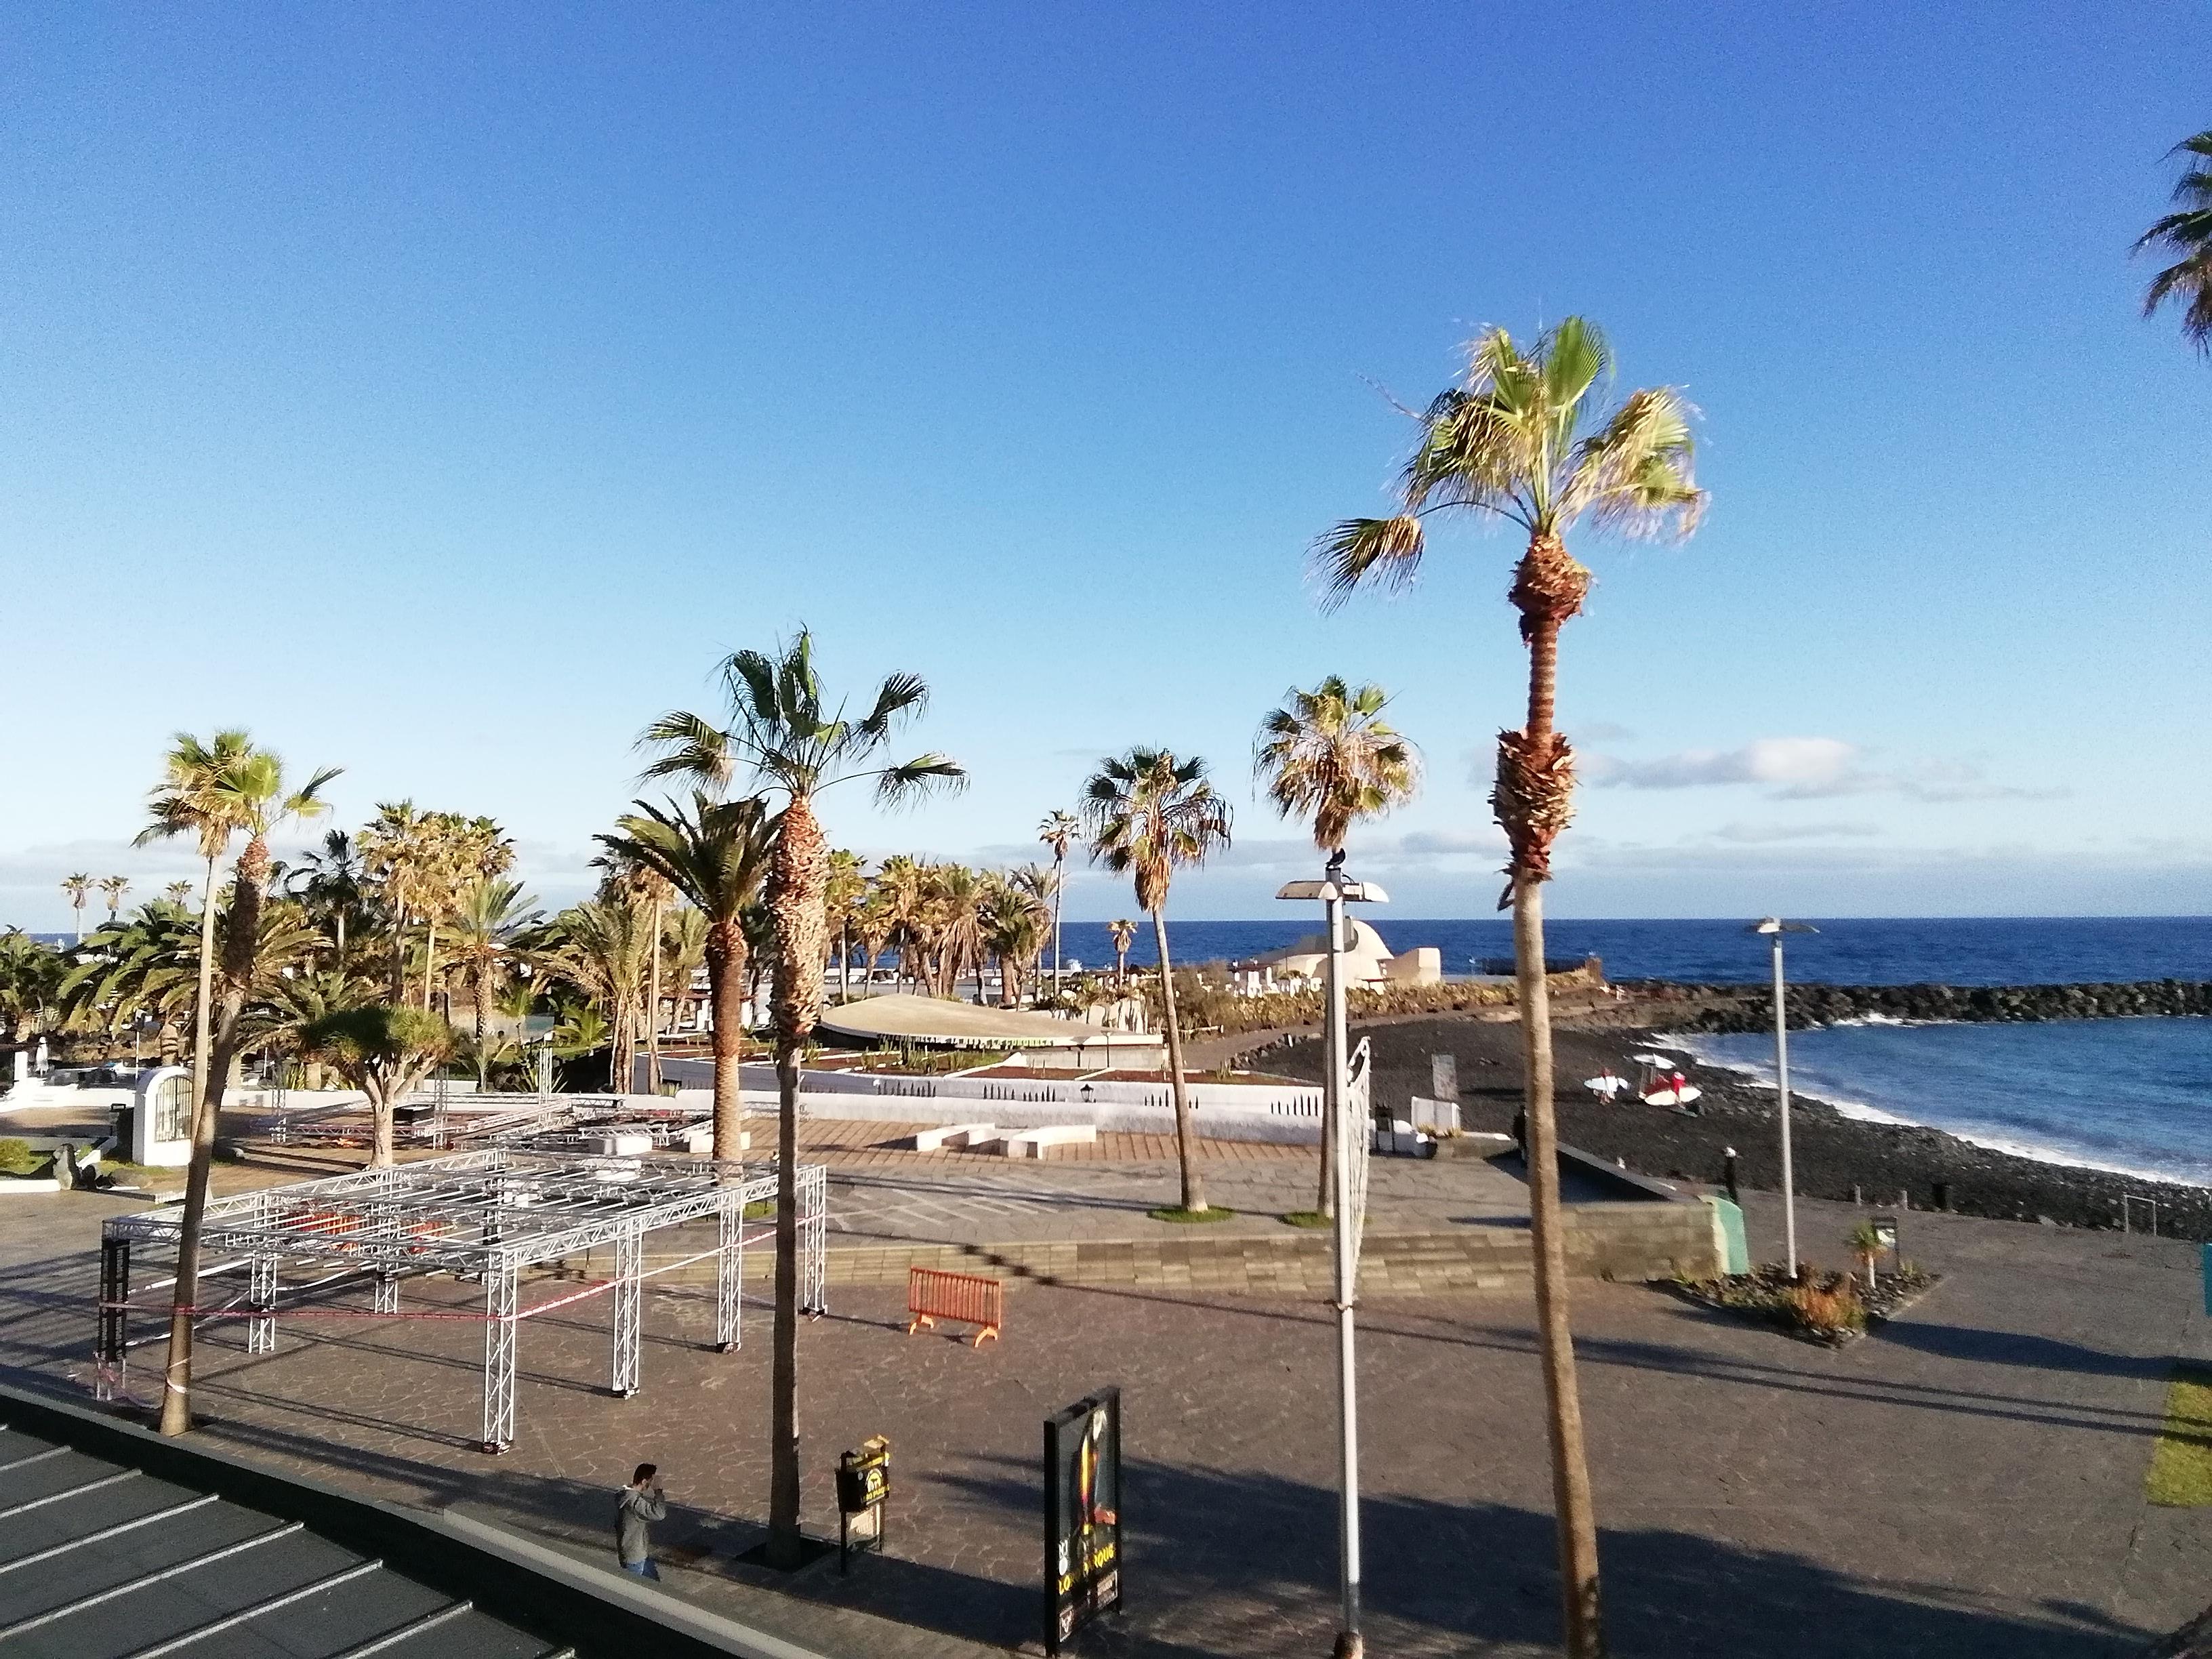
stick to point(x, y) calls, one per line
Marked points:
point(451, 1123)
point(485, 1217)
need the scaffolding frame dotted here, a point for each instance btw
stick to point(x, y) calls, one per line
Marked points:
point(484, 1215)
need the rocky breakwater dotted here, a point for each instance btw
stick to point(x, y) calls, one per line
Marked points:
point(1722, 1008)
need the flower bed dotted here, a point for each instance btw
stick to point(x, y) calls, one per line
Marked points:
point(1831, 1308)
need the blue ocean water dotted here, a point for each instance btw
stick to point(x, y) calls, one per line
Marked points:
point(2122, 1094)
point(1951, 951)
point(2128, 1094)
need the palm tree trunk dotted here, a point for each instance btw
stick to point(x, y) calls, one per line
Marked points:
point(798, 877)
point(482, 997)
point(725, 981)
point(399, 953)
point(1534, 780)
point(429, 961)
point(653, 1008)
point(1193, 1186)
point(1058, 880)
point(177, 1379)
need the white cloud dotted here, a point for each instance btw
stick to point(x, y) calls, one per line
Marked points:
point(1759, 834)
point(1804, 768)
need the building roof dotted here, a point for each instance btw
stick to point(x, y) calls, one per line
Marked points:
point(1367, 947)
point(99, 1559)
point(902, 1018)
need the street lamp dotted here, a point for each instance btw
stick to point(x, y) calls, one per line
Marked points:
point(1774, 927)
point(1335, 891)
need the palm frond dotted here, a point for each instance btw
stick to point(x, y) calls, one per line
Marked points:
point(1386, 551)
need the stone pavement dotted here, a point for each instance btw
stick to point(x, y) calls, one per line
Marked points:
point(1968, 1481)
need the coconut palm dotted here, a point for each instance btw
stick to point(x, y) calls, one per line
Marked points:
point(112, 888)
point(682, 953)
point(1521, 438)
point(78, 888)
point(1328, 755)
point(211, 792)
point(1144, 813)
point(605, 947)
point(788, 739)
point(1123, 932)
point(955, 895)
point(2187, 233)
point(716, 854)
point(384, 1051)
point(1058, 831)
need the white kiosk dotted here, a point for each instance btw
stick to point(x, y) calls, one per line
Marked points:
point(161, 1118)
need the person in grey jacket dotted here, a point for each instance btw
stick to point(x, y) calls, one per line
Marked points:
point(642, 1503)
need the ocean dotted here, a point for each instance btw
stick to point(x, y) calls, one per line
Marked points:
point(1961, 951)
point(2134, 1094)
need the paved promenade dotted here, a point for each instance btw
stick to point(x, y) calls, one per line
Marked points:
point(1969, 1481)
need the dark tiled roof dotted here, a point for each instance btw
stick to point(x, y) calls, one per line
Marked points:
point(98, 1560)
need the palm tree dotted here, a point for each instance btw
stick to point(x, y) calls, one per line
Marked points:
point(785, 736)
point(1521, 438)
point(78, 887)
point(716, 854)
point(489, 917)
point(384, 1051)
point(2186, 232)
point(1013, 920)
point(848, 885)
point(397, 852)
point(1144, 813)
point(1123, 932)
point(1058, 831)
point(34, 979)
point(213, 791)
point(178, 893)
point(112, 888)
point(333, 884)
point(605, 947)
point(1329, 755)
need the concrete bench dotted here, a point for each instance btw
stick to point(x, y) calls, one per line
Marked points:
point(1031, 1143)
point(946, 1137)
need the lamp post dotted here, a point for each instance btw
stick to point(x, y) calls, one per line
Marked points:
point(1774, 927)
point(1334, 892)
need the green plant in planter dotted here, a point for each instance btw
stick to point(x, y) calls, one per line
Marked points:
point(1866, 1244)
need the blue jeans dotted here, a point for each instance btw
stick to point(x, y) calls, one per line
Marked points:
point(644, 1569)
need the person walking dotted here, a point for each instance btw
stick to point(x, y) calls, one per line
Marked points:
point(642, 1503)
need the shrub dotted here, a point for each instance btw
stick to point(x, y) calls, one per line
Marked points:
point(1829, 1309)
point(17, 1158)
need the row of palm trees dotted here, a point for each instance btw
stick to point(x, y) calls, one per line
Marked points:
point(80, 888)
point(1520, 437)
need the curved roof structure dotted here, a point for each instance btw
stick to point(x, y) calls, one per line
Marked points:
point(901, 1018)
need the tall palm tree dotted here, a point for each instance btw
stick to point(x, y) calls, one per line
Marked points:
point(398, 853)
point(1123, 932)
point(605, 947)
point(1329, 755)
point(333, 882)
point(716, 854)
point(1014, 918)
point(178, 893)
point(1520, 438)
point(112, 888)
point(1058, 831)
point(1144, 813)
point(78, 888)
point(489, 917)
point(213, 791)
point(847, 886)
point(2186, 232)
point(788, 739)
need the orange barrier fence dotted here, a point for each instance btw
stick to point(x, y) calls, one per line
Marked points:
point(932, 1296)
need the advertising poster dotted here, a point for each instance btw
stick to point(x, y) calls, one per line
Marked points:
point(1082, 1514)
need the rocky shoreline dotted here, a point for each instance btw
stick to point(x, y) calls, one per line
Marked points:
point(1836, 1157)
point(1722, 1008)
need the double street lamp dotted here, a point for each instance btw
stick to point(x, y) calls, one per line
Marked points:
point(1336, 891)
point(1774, 927)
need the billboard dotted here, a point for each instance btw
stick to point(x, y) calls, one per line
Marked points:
point(1082, 1514)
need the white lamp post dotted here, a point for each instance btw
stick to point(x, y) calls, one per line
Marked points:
point(1334, 892)
point(1774, 927)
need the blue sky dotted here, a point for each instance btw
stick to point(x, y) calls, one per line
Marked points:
point(439, 392)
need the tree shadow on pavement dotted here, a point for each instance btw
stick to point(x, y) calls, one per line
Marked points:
point(2041, 1353)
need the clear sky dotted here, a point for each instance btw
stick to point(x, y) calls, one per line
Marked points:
point(439, 392)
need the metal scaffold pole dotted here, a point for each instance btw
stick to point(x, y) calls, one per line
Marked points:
point(629, 1311)
point(501, 1295)
point(813, 1231)
point(730, 1276)
point(261, 1297)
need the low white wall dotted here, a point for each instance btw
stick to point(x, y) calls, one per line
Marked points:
point(1213, 1122)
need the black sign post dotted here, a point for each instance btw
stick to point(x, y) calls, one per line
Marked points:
point(1082, 1516)
point(864, 1483)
